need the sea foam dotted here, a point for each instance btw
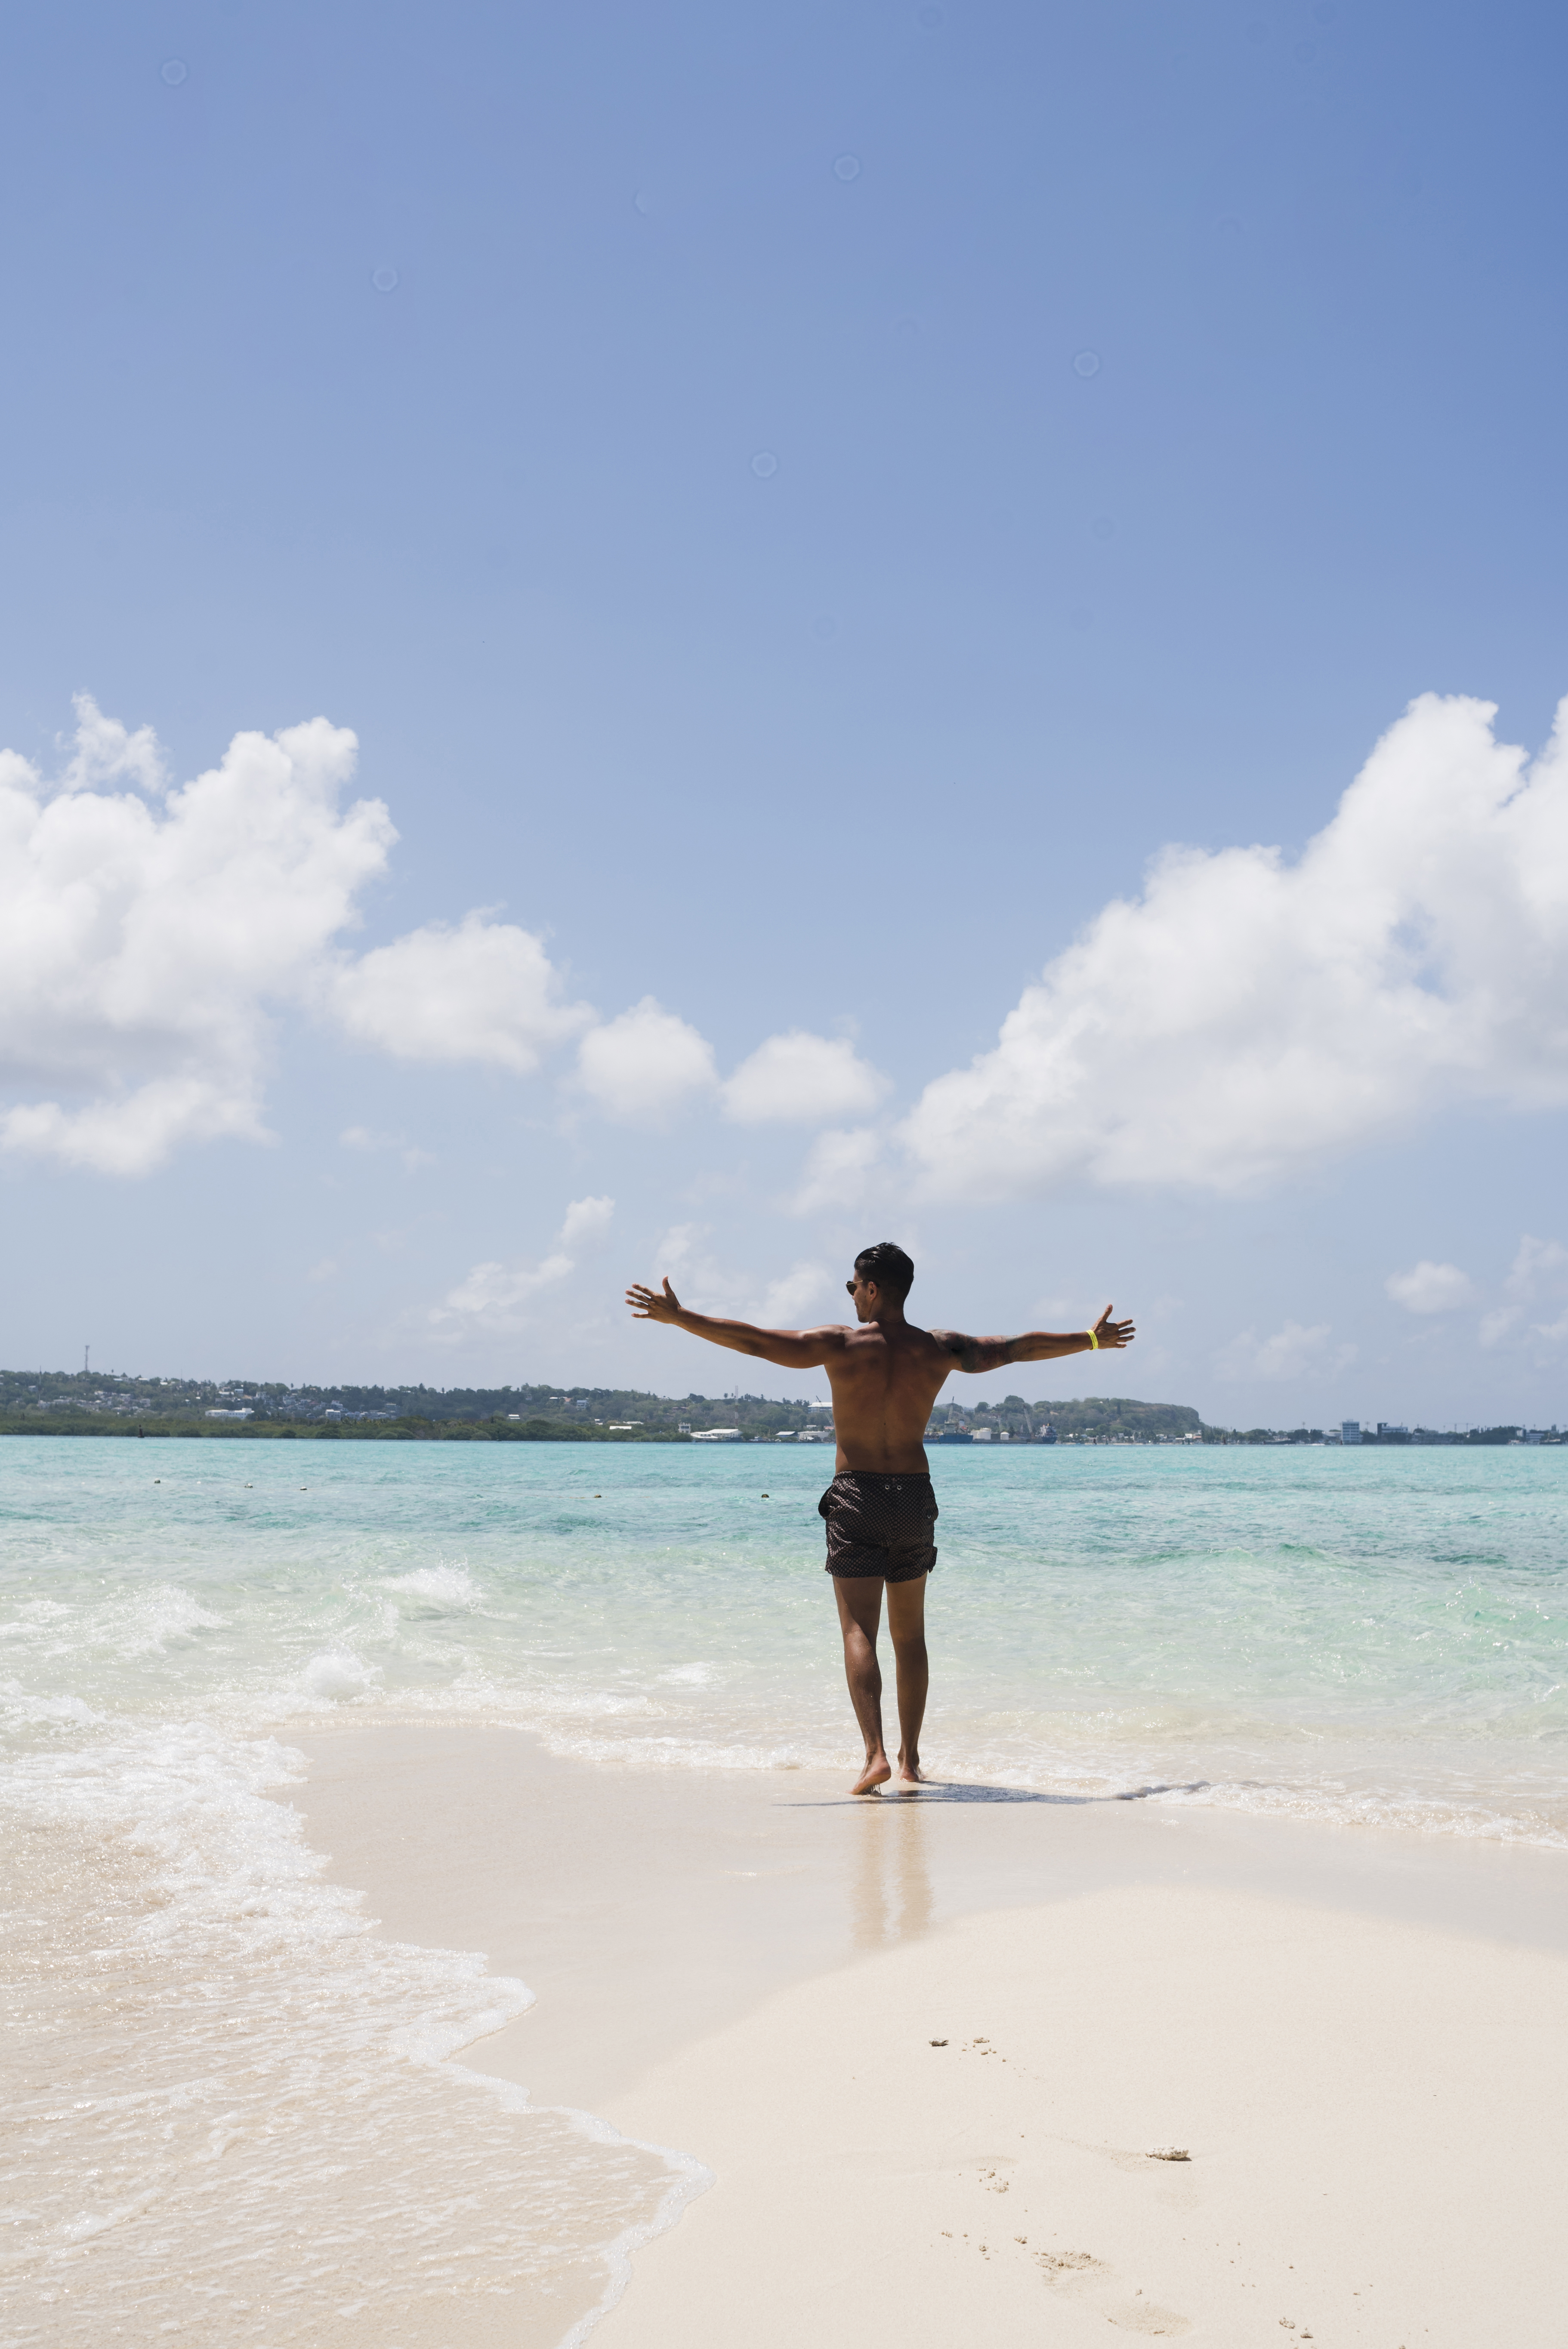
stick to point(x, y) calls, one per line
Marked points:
point(237, 2116)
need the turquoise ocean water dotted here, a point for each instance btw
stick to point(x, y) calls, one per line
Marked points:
point(1379, 1636)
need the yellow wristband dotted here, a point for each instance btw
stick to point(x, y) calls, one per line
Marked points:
point(1093, 1341)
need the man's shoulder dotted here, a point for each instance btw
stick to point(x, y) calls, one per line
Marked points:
point(929, 1341)
point(870, 1336)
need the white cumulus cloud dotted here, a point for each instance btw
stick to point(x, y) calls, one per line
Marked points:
point(105, 751)
point(1537, 1278)
point(839, 1171)
point(800, 1079)
point(489, 1296)
point(1430, 1287)
point(702, 1282)
point(148, 936)
point(644, 1064)
point(786, 1303)
point(1247, 1015)
point(477, 991)
point(1294, 1351)
point(140, 943)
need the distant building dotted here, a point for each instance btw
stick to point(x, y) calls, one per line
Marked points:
point(716, 1436)
point(981, 1434)
point(230, 1414)
point(1350, 1431)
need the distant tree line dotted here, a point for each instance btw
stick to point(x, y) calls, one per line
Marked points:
point(66, 1402)
point(102, 1403)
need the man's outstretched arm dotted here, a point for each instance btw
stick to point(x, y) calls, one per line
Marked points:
point(793, 1349)
point(1035, 1345)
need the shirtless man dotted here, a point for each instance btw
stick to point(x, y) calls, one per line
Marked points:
point(885, 1375)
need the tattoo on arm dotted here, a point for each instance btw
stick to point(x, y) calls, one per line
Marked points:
point(981, 1353)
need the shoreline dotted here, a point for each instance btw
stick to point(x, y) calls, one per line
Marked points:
point(751, 1967)
point(413, 1430)
point(458, 1431)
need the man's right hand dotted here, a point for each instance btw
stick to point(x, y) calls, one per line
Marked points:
point(1112, 1334)
point(647, 1305)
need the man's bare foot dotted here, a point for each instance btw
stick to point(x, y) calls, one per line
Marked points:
point(910, 1774)
point(872, 1776)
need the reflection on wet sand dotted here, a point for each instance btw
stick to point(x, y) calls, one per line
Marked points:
point(891, 1899)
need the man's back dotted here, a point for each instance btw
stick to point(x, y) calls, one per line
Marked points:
point(884, 1380)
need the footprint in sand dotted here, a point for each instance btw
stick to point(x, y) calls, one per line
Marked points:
point(1134, 2315)
point(1143, 2316)
point(1056, 2264)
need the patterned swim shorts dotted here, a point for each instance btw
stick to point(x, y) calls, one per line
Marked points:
point(879, 1525)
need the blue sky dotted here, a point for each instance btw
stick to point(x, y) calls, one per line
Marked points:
point(798, 508)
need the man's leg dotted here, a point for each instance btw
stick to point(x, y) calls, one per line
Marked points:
point(906, 1627)
point(860, 1612)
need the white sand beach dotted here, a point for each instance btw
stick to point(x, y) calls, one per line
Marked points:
point(929, 2048)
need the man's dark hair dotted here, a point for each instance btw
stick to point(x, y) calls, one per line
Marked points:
point(888, 1266)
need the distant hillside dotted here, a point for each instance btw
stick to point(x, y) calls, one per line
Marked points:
point(1101, 1415)
point(100, 1403)
point(1119, 1415)
point(103, 1402)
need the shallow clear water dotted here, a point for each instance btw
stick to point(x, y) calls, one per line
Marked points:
point(1382, 1629)
point(1377, 1635)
